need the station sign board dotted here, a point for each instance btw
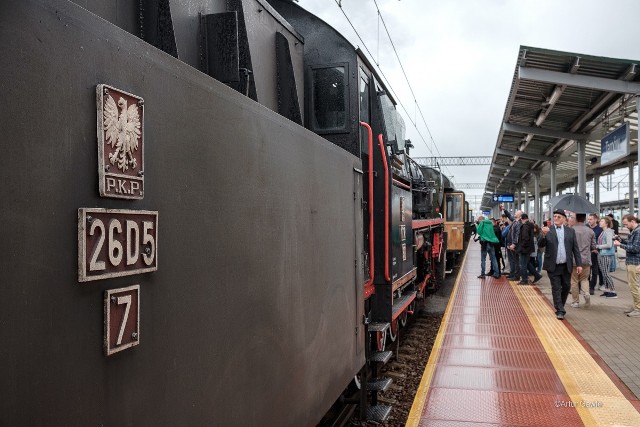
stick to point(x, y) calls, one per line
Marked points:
point(615, 145)
point(503, 198)
point(116, 242)
point(120, 143)
point(121, 319)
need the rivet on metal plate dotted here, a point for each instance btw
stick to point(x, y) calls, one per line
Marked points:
point(89, 219)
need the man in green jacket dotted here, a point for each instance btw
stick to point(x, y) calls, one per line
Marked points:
point(487, 237)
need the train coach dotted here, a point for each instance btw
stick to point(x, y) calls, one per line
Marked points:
point(209, 216)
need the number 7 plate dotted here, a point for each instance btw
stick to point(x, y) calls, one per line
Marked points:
point(116, 242)
point(121, 319)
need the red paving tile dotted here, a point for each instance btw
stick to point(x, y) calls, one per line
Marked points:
point(496, 358)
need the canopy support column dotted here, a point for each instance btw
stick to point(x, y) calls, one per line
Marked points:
point(582, 170)
point(537, 203)
point(632, 185)
point(596, 192)
point(553, 190)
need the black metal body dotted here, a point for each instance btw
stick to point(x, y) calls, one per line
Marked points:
point(254, 316)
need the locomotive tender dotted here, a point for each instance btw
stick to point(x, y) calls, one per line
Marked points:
point(282, 230)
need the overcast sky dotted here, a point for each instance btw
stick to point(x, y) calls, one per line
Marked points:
point(460, 57)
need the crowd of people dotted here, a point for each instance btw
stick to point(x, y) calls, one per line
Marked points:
point(578, 252)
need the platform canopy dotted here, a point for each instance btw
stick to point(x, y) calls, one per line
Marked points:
point(558, 100)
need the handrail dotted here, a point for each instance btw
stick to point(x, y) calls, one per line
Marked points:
point(370, 206)
point(401, 184)
point(386, 208)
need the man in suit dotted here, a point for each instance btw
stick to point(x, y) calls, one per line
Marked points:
point(560, 255)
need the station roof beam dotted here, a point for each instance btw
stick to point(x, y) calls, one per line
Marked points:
point(582, 81)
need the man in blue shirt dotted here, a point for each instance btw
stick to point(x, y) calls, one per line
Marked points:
point(506, 242)
point(512, 241)
point(632, 248)
point(595, 271)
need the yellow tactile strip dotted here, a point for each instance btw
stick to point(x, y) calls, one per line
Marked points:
point(596, 398)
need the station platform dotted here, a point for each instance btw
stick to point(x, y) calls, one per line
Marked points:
point(501, 358)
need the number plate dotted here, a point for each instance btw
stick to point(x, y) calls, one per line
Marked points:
point(121, 319)
point(116, 242)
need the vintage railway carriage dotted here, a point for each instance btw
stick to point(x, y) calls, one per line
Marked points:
point(455, 214)
point(279, 233)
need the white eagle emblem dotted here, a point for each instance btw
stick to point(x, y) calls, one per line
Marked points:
point(122, 131)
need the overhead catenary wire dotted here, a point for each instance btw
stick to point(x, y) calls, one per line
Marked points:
point(388, 84)
point(395, 51)
point(416, 104)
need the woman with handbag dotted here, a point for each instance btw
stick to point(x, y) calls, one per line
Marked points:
point(606, 252)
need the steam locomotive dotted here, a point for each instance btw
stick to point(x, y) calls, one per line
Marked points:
point(210, 216)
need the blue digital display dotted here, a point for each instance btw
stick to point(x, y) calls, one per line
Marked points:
point(503, 198)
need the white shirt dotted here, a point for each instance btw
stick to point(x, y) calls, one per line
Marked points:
point(561, 256)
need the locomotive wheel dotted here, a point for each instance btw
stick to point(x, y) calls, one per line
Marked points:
point(381, 340)
point(403, 318)
point(356, 381)
point(393, 330)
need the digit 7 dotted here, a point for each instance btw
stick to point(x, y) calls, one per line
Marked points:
point(123, 300)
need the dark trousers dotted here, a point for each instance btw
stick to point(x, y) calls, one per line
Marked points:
point(513, 263)
point(499, 259)
point(488, 248)
point(595, 273)
point(560, 280)
point(526, 268)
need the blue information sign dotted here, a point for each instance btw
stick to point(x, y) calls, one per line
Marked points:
point(615, 145)
point(503, 198)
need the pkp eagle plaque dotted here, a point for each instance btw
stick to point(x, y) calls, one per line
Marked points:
point(120, 143)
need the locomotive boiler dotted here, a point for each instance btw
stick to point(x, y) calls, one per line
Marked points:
point(209, 216)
